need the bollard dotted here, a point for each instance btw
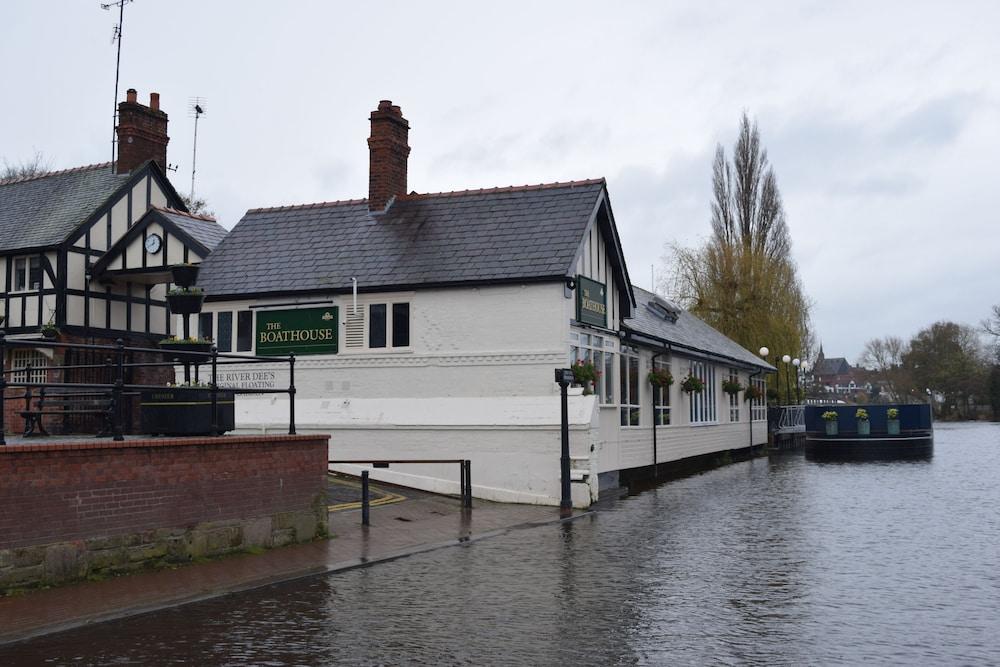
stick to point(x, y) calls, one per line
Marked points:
point(364, 499)
point(467, 465)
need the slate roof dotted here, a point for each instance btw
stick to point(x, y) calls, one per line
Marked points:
point(201, 228)
point(687, 331)
point(42, 210)
point(832, 366)
point(473, 236)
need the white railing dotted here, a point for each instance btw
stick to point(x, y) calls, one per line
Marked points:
point(793, 418)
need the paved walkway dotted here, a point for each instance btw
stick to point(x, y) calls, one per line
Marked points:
point(418, 522)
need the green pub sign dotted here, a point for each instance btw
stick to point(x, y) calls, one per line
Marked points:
point(591, 302)
point(302, 331)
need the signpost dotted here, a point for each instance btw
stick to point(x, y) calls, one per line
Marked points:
point(302, 331)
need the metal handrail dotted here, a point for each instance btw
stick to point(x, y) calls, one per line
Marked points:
point(120, 387)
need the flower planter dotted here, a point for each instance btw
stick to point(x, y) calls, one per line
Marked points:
point(864, 427)
point(893, 426)
point(50, 332)
point(184, 275)
point(186, 351)
point(185, 303)
point(831, 428)
point(186, 411)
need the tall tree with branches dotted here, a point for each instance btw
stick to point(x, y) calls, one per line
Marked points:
point(743, 281)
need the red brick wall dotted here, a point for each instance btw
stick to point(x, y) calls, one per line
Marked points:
point(63, 492)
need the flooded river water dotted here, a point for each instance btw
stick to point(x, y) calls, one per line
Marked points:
point(777, 561)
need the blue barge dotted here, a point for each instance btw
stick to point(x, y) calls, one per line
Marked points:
point(911, 437)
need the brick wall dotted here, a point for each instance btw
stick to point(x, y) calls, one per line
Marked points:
point(106, 506)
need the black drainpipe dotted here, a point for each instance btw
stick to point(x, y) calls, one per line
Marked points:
point(656, 466)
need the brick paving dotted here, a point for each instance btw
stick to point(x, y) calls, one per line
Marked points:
point(419, 523)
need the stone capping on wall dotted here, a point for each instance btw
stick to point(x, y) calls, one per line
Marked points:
point(142, 443)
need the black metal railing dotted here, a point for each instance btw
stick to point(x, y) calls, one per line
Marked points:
point(115, 375)
point(464, 476)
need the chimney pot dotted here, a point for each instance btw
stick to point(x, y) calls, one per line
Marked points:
point(389, 149)
point(142, 133)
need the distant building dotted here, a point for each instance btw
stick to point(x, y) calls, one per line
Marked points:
point(834, 375)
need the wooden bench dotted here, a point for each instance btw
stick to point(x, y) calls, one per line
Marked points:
point(62, 403)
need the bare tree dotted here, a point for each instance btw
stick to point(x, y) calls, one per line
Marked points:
point(34, 166)
point(743, 281)
point(884, 357)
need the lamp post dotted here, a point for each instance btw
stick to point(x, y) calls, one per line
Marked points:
point(788, 390)
point(798, 364)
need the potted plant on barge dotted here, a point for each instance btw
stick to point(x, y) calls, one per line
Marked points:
point(186, 409)
point(660, 377)
point(892, 423)
point(692, 384)
point(185, 300)
point(864, 426)
point(585, 374)
point(731, 387)
point(830, 417)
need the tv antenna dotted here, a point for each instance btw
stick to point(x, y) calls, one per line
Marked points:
point(197, 110)
point(116, 36)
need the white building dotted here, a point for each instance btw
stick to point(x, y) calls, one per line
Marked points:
point(430, 325)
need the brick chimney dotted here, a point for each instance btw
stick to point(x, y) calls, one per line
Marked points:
point(389, 150)
point(142, 133)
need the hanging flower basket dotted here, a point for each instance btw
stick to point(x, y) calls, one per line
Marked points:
point(753, 393)
point(731, 387)
point(184, 275)
point(660, 377)
point(185, 300)
point(692, 384)
point(585, 374)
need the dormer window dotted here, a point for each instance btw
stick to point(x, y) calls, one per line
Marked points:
point(27, 274)
point(662, 309)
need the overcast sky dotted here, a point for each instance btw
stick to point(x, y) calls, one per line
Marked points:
point(882, 120)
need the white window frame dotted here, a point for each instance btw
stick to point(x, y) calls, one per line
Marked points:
point(390, 323)
point(758, 406)
point(703, 405)
point(20, 358)
point(734, 399)
point(630, 412)
point(598, 349)
point(23, 273)
point(661, 396)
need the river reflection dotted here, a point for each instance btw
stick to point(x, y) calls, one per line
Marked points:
point(770, 562)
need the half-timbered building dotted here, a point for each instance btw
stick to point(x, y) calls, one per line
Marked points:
point(85, 252)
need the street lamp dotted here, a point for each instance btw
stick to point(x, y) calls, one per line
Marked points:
point(797, 363)
point(788, 391)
